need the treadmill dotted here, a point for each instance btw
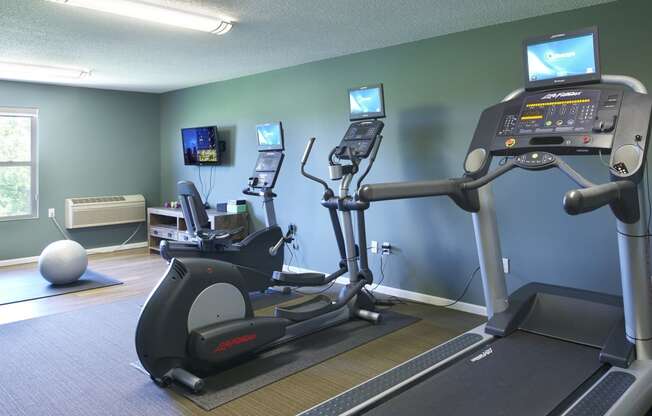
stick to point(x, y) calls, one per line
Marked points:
point(545, 350)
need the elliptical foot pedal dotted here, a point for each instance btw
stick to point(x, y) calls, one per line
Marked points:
point(306, 310)
point(300, 279)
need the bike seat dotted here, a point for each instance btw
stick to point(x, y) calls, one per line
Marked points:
point(299, 279)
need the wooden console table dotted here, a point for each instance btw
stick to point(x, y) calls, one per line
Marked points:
point(169, 224)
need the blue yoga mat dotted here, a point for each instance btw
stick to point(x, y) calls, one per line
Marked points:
point(23, 285)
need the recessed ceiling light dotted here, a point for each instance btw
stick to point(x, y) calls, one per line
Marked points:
point(21, 71)
point(154, 13)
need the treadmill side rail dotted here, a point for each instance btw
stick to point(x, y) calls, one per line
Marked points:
point(634, 400)
point(375, 389)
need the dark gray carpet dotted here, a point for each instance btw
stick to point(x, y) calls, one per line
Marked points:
point(79, 363)
point(23, 285)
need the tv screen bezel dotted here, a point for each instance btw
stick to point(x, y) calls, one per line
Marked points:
point(570, 80)
point(367, 116)
point(269, 148)
point(217, 147)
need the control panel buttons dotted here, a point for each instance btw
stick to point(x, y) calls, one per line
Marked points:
point(621, 168)
point(586, 139)
point(510, 142)
point(534, 160)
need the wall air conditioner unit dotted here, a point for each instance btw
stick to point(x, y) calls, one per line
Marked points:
point(104, 210)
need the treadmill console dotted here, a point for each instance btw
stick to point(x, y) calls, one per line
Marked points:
point(568, 121)
point(593, 119)
point(266, 171)
point(359, 139)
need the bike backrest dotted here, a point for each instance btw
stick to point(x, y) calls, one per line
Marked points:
point(193, 208)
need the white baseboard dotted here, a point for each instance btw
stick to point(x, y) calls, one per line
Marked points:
point(409, 295)
point(97, 250)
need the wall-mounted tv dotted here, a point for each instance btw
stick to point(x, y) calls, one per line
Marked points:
point(200, 146)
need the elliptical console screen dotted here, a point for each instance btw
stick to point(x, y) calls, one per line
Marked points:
point(200, 146)
point(270, 136)
point(266, 170)
point(554, 112)
point(366, 102)
point(564, 58)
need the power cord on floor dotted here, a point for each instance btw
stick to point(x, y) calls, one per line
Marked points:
point(466, 288)
point(67, 236)
point(292, 257)
point(124, 243)
point(63, 232)
point(390, 301)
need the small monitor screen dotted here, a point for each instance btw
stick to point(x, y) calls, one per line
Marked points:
point(200, 146)
point(366, 102)
point(562, 59)
point(270, 136)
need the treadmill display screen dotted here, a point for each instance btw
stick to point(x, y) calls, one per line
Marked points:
point(562, 58)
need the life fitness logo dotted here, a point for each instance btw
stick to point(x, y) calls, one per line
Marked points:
point(484, 354)
point(558, 95)
point(233, 342)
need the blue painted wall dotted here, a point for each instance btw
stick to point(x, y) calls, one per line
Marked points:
point(435, 90)
point(91, 143)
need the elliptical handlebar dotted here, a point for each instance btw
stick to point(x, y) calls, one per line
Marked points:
point(372, 159)
point(304, 160)
point(306, 153)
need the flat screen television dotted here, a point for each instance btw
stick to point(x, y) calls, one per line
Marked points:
point(366, 102)
point(200, 146)
point(270, 137)
point(562, 59)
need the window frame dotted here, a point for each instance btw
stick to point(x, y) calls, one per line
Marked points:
point(33, 163)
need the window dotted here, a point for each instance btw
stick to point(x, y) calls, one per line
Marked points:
point(18, 174)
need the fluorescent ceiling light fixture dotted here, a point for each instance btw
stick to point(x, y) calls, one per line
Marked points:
point(15, 70)
point(154, 13)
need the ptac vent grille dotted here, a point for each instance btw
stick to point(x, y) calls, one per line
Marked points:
point(100, 199)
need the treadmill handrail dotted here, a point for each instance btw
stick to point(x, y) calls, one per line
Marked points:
point(579, 201)
point(406, 190)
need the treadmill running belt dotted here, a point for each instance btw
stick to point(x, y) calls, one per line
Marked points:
point(522, 374)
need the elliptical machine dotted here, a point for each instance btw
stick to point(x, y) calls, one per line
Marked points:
point(261, 252)
point(199, 317)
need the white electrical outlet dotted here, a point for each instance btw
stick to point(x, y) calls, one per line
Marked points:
point(506, 265)
point(374, 247)
point(51, 213)
point(386, 248)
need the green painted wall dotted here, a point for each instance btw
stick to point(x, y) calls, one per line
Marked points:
point(91, 142)
point(435, 90)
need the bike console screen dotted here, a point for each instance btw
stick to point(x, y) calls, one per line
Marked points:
point(266, 171)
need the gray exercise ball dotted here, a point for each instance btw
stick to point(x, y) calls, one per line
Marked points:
point(63, 262)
